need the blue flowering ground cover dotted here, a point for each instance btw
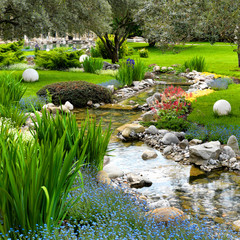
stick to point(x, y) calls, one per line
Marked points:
point(102, 212)
point(213, 132)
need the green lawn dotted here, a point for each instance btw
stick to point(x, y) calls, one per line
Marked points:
point(220, 57)
point(203, 108)
point(48, 77)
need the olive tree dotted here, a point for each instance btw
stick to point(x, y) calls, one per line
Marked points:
point(169, 21)
point(121, 25)
point(32, 18)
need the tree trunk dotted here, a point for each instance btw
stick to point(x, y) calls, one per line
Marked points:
point(238, 53)
point(151, 43)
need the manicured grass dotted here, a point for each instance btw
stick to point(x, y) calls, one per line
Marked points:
point(49, 77)
point(220, 57)
point(203, 108)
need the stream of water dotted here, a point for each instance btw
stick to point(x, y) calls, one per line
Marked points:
point(215, 195)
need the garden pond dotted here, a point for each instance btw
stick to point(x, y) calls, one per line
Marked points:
point(214, 195)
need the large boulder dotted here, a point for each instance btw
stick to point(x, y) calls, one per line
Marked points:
point(152, 130)
point(149, 116)
point(167, 214)
point(77, 92)
point(149, 75)
point(222, 107)
point(233, 143)
point(102, 177)
point(149, 154)
point(30, 75)
point(137, 128)
point(170, 138)
point(200, 154)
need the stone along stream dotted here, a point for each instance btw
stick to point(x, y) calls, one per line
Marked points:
point(215, 195)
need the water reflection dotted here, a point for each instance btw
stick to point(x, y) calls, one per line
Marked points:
point(213, 195)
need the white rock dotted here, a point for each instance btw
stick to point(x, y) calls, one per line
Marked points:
point(113, 171)
point(83, 57)
point(233, 143)
point(68, 105)
point(30, 75)
point(111, 88)
point(222, 107)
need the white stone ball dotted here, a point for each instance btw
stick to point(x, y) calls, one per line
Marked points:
point(83, 57)
point(30, 75)
point(222, 107)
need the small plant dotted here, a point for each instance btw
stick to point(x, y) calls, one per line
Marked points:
point(130, 71)
point(143, 53)
point(29, 104)
point(11, 89)
point(220, 83)
point(196, 63)
point(91, 65)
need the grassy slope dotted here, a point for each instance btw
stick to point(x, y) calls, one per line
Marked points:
point(48, 77)
point(220, 57)
point(203, 107)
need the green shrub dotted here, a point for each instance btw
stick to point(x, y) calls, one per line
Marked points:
point(91, 65)
point(131, 71)
point(58, 59)
point(196, 63)
point(143, 53)
point(220, 83)
point(95, 53)
point(11, 53)
point(77, 92)
point(123, 51)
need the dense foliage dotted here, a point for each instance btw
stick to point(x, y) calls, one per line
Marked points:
point(104, 52)
point(11, 53)
point(58, 59)
point(77, 92)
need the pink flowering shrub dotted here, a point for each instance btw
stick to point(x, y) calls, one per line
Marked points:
point(173, 103)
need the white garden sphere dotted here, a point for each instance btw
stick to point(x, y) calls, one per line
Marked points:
point(222, 107)
point(83, 57)
point(30, 75)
